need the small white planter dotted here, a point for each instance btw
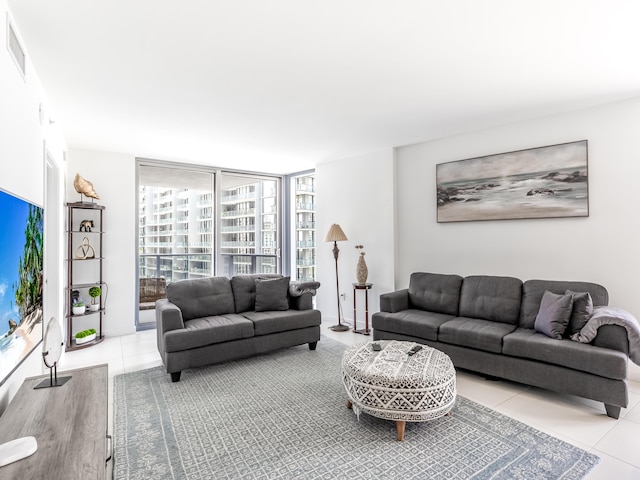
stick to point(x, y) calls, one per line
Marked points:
point(88, 338)
point(79, 310)
point(94, 307)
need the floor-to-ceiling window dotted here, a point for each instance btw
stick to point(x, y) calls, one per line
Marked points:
point(303, 227)
point(175, 231)
point(249, 217)
point(198, 222)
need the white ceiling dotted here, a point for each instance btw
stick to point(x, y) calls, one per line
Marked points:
point(281, 85)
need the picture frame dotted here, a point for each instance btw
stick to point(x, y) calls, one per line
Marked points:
point(542, 182)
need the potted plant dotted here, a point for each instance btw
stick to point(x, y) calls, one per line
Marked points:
point(85, 336)
point(78, 307)
point(94, 293)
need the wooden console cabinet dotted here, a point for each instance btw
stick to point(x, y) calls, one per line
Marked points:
point(68, 422)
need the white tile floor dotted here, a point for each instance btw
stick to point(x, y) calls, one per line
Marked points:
point(576, 420)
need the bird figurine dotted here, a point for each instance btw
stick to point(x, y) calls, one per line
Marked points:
point(84, 187)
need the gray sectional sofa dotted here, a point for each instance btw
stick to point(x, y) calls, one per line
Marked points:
point(493, 325)
point(211, 320)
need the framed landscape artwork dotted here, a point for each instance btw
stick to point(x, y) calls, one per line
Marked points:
point(21, 263)
point(540, 182)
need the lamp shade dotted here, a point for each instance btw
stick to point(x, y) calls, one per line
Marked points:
point(335, 234)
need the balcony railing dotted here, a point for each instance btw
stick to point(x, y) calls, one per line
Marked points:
point(168, 263)
point(238, 228)
point(302, 187)
point(247, 244)
point(243, 264)
point(238, 197)
point(239, 213)
point(305, 206)
point(173, 267)
point(305, 225)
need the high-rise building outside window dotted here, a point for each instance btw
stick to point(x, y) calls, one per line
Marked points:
point(249, 239)
point(303, 267)
point(176, 234)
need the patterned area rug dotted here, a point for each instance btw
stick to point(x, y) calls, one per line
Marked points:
point(283, 416)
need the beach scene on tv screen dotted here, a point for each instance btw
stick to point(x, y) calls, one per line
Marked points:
point(21, 252)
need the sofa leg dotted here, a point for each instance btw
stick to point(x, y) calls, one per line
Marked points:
point(612, 411)
point(313, 345)
point(175, 376)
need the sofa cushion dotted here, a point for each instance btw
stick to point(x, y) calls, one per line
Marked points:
point(582, 310)
point(415, 323)
point(203, 331)
point(274, 322)
point(435, 292)
point(475, 333)
point(553, 316)
point(202, 297)
point(491, 298)
point(272, 294)
point(527, 343)
point(244, 290)
point(532, 291)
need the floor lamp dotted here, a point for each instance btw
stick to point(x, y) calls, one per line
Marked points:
point(335, 235)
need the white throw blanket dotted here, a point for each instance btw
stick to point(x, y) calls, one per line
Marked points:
point(612, 316)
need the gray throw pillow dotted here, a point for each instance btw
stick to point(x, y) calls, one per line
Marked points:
point(272, 294)
point(553, 316)
point(582, 311)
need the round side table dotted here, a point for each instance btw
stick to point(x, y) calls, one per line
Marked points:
point(366, 287)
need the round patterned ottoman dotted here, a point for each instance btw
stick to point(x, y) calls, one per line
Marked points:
point(394, 385)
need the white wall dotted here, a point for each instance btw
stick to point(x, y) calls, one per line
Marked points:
point(357, 193)
point(22, 150)
point(601, 248)
point(113, 177)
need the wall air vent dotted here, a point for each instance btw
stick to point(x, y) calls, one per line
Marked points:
point(15, 49)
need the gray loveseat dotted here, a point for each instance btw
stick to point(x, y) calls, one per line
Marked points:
point(211, 320)
point(491, 325)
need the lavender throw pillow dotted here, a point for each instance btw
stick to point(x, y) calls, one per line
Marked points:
point(554, 314)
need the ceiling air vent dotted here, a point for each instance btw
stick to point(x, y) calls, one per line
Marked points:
point(14, 47)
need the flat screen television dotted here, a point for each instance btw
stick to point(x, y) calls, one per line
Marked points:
point(21, 266)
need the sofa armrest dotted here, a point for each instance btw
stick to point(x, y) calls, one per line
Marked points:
point(394, 301)
point(613, 337)
point(301, 302)
point(168, 316)
point(301, 293)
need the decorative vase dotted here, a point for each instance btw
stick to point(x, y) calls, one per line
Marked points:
point(79, 310)
point(94, 307)
point(361, 270)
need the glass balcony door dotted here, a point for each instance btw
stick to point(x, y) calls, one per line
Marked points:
point(175, 231)
point(249, 224)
